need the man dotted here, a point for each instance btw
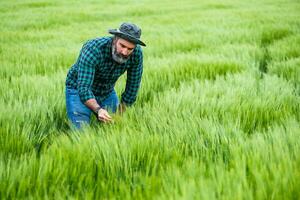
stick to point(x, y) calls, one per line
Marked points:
point(90, 81)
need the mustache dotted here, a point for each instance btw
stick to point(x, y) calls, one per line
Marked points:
point(121, 55)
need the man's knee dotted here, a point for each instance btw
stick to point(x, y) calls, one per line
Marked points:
point(77, 112)
point(79, 120)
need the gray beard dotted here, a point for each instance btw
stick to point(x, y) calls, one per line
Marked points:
point(118, 57)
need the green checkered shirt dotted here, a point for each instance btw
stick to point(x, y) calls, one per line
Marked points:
point(95, 72)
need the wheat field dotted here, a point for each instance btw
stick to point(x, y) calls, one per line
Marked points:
point(217, 115)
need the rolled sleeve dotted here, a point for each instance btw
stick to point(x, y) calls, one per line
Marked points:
point(87, 61)
point(133, 82)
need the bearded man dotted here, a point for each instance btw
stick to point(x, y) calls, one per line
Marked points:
point(90, 81)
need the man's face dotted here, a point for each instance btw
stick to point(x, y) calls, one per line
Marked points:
point(121, 50)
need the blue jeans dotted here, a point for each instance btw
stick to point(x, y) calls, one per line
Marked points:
point(80, 114)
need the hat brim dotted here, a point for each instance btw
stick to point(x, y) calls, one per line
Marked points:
point(125, 36)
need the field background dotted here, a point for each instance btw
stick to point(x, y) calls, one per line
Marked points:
point(217, 115)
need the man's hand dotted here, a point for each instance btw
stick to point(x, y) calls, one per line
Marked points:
point(104, 116)
point(101, 113)
point(122, 108)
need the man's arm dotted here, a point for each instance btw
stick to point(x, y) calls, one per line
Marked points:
point(101, 113)
point(87, 62)
point(134, 77)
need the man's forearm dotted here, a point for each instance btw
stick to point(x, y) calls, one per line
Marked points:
point(92, 104)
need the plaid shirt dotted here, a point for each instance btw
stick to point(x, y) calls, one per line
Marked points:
point(95, 72)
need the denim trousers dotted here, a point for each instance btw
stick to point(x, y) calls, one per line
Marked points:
point(79, 114)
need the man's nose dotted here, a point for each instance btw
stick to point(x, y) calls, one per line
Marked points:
point(125, 51)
